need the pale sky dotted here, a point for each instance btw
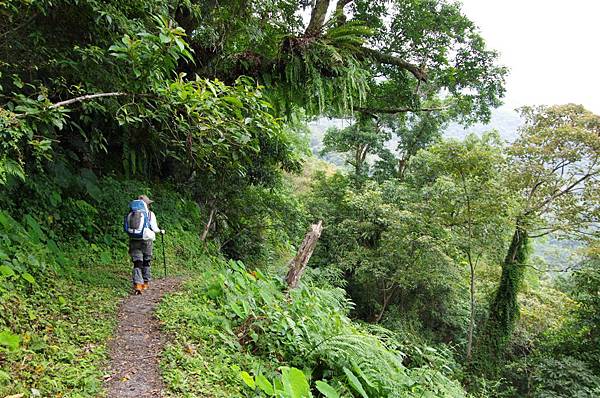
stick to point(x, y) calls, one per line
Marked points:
point(552, 48)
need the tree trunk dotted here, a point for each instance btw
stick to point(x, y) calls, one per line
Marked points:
point(504, 310)
point(208, 224)
point(317, 18)
point(360, 156)
point(339, 11)
point(471, 312)
point(401, 168)
point(298, 264)
point(357, 163)
point(386, 300)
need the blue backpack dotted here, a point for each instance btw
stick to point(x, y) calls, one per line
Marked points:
point(137, 220)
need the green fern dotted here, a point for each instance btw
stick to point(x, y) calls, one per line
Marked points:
point(379, 369)
point(323, 74)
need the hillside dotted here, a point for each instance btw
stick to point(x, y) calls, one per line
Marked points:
point(168, 230)
point(227, 317)
point(504, 120)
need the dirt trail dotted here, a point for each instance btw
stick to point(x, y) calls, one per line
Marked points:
point(135, 349)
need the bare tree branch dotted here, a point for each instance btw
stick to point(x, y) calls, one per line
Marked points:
point(544, 233)
point(419, 72)
point(392, 111)
point(85, 98)
point(565, 191)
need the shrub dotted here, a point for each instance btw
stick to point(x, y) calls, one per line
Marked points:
point(253, 322)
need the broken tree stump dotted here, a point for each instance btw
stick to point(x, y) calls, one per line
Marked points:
point(298, 264)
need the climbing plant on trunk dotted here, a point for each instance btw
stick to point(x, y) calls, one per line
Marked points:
point(554, 172)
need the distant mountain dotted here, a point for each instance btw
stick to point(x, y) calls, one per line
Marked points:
point(505, 120)
point(317, 129)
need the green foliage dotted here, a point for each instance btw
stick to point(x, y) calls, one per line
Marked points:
point(504, 310)
point(587, 314)
point(455, 208)
point(61, 327)
point(551, 352)
point(564, 377)
point(152, 58)
point(578, 336)
point(462, 186)
point(553, 172)
point(223, 143)
point(554, 169)
point(412, 132)
point(324, 74)
point(392, 249)
point(410, 242)
point(371, 137)
point(63, 269)
point(132, 51)
point(543, 376)
point(357, 141)
point(26, 253)
point(54, 326)
point(258, 225)
point(292, 384)
point(437, 35)
point(255, 327)
point(9, 341)
point(210, 97)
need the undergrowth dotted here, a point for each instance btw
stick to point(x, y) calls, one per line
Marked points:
point(63, 271)
point(61, 328)
point(229, 320)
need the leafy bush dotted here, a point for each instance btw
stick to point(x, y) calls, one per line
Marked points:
point(249, 321)
point(291, 384)
point(564, 377)
point(24, 251)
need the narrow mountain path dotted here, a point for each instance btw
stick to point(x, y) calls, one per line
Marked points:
point(136, 346)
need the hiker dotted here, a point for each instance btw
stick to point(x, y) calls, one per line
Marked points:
point(142, 227)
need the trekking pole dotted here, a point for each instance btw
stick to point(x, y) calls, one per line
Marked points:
point(162, 239)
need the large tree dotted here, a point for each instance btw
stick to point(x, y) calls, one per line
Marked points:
point(386, 56)
point(376, 57)
point(381, 146)
point(554, 171)
point(462, 184)
point(364, 138)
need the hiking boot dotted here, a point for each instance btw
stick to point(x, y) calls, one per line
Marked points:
point(137, 289)
point(146, 285)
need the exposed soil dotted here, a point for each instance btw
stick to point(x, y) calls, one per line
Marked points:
point(135, 349)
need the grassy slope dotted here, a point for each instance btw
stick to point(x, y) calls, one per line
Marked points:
point(63, 327)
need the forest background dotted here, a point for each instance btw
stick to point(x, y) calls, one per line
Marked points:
point(423, 282)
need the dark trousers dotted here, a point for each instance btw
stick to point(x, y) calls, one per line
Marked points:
point(141, 255)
